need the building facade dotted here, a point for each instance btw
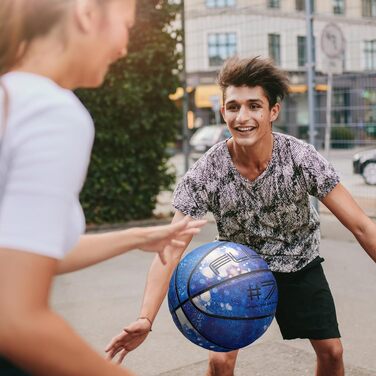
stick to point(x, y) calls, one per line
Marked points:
point(218, 29)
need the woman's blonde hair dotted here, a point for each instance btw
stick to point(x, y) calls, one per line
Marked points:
point(23, 20)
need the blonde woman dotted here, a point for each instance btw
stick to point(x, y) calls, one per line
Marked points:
point(48, 48)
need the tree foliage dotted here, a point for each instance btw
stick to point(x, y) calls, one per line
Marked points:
point(135, 120)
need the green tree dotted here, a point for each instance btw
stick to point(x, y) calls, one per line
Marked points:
point(135, 120)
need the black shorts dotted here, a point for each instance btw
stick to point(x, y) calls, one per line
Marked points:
point(8, 369)
point(305, 304)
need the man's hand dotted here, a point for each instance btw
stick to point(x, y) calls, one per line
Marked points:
point(131, 337)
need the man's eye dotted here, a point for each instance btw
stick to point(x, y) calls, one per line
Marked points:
point(232, 108)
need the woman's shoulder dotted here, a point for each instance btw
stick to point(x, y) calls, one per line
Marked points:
point(34, 94)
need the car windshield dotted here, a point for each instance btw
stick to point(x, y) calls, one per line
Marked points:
point(205, 134)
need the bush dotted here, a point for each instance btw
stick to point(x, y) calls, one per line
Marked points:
point(135, 121)
point(342, 137)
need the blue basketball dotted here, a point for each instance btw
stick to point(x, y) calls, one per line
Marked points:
point(222, 296)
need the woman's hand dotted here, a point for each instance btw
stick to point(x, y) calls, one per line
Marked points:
point(131, 337)
point(157, 238)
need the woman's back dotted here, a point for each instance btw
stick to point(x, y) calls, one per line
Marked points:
point(44, 157)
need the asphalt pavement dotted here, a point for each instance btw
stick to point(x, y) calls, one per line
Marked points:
point(99, 301)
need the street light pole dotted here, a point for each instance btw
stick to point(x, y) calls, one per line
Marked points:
point(310, 71)
point(185, 134)
point(311, 79)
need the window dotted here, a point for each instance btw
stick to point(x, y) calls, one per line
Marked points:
point(302, 50)
point(274, 4)
point(338, 6)
point(220, 47)
point(274, 43)
point(220, 3)
point(370, 54)
point(341, 106)
point(300, 5)
point(369, 8)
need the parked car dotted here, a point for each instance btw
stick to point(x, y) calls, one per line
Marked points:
point(205, 137)
point(364, 163)
point(208, 135)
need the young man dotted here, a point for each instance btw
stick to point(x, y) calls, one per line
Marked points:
point(257, 185)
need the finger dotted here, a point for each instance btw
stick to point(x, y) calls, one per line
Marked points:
point(181, 224)
point(117, 340)
point(162, 257)
point(110, 355)
point(112, 344)
point(190, 231)
point(118, 350)
point(177, 243)
point(122, 356)
point(197, 223)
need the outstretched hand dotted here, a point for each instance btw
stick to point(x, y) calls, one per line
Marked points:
point(159, 237)
point(130, 338)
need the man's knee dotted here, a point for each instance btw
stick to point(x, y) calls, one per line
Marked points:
point(329, 350)
point(222, 364)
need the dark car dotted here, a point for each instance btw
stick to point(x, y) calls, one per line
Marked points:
point(205, 137)
point(364, 163)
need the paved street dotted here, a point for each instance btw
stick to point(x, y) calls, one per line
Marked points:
point(100, 300)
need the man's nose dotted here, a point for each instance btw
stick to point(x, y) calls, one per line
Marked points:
point(244, 114)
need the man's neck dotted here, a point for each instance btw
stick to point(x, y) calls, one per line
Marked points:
point(252, 161)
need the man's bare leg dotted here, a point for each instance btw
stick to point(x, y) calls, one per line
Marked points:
point(222, 364)
point(329, 357)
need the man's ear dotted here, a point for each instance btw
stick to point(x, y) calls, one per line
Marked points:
point(223, 111)
point(84, 14)
point(274, 112)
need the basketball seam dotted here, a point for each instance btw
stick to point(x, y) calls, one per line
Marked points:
point(177, 270)
point(218, 284)
point(181, 304)
point(214, 343)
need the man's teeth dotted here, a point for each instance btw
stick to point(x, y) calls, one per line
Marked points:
point(246, 129)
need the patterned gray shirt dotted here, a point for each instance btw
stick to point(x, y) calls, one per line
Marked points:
point(271, 214)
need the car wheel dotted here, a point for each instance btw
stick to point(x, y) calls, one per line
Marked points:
point(369, 173)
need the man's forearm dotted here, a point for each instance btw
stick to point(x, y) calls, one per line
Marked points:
point(156, 287)
point(366, 236)
point(159, 276)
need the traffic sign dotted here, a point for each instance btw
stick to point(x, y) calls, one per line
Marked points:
point(332, 41)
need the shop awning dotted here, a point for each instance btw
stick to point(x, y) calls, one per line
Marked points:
point(296, 89)
point(205, 94)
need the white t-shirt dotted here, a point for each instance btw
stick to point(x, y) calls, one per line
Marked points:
point(44, 157)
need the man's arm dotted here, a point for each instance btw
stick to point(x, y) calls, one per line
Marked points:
point(342, 205)
point(159, 276)
point(155, 291)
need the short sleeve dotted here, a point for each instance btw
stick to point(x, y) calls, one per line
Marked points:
point(48, 159)
point(319, 175)
point(190, 196)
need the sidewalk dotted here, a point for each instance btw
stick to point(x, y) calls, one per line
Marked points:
point(101, 300)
